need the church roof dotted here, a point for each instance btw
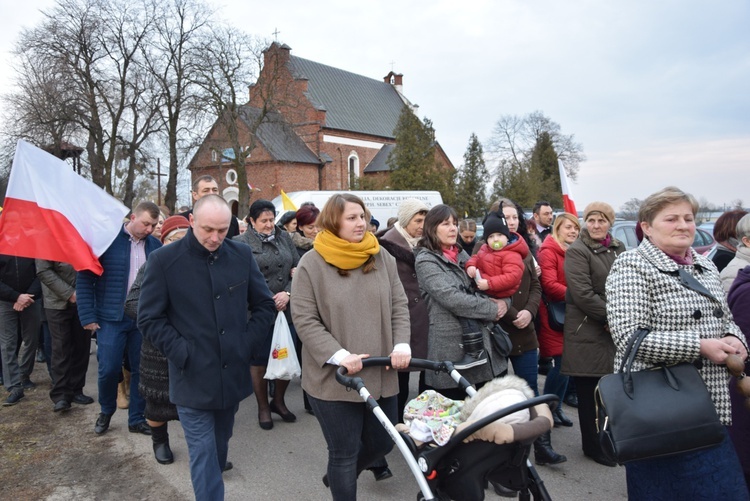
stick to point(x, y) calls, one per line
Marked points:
point(378, 163)
point(278, 137)
point(352, 102)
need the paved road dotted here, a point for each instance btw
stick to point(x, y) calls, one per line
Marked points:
point(288, 461)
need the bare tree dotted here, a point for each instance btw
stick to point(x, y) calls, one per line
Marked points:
point(226, 63)
point(629, 210)
point(93, 48)
point(180, 31)
point(514, 138)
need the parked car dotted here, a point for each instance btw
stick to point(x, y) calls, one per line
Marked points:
point(625, 232)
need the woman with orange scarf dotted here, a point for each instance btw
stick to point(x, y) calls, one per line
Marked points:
point(349, 304)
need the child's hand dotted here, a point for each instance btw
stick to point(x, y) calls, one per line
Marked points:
point(471, 271)
point(483, 285)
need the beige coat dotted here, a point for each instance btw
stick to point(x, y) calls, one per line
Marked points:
point(360, 313)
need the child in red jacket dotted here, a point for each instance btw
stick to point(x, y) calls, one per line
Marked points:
point(497, 269)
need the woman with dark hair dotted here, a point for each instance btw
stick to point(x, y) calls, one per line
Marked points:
point(519, 323)
point(349, 304)
point(725, 233)
point(666, 287)
point(277, 258)
point(306, 228)
point(447, 290)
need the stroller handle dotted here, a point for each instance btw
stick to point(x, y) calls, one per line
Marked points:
point(356, 383)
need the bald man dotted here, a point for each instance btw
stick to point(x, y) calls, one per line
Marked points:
point(193, 307)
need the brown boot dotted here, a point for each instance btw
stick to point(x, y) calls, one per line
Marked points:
point(123, 391)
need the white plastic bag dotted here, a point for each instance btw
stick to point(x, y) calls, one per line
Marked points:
point(282, 362)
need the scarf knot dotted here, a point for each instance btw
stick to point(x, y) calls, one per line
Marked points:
point(345, 255)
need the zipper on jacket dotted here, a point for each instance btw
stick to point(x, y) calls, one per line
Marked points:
point(581, 324)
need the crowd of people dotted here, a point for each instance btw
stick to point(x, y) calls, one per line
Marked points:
point(184, 312)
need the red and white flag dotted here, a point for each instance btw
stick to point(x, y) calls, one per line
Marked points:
point(568, 203)
point(51, 212)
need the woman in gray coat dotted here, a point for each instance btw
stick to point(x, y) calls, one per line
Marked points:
point(277, 258)
point(588, 350)
point(447, 291)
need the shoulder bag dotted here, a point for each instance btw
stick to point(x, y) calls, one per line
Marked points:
point(555, 314)
point(662, 411)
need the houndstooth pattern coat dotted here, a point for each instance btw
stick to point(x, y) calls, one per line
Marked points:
point(643, 291)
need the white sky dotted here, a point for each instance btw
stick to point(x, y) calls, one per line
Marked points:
point(657, 92)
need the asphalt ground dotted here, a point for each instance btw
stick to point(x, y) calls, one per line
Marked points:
point(288, 461)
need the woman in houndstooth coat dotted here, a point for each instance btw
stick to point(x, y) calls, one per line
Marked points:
point(644, 290)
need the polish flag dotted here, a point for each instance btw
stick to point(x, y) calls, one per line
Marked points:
point(53, 213)
point(568, 203)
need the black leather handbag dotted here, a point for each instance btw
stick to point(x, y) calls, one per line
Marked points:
point(658, 412)
point(556, 315)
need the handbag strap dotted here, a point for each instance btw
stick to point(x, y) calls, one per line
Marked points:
point(628, 357)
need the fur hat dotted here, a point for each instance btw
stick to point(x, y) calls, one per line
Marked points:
point(495, 223)
point(602, 207)
point(409, 208)
point(173, 223)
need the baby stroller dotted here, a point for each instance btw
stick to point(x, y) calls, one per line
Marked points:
point(459, 470)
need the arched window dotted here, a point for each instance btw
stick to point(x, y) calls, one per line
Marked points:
point(353, 168)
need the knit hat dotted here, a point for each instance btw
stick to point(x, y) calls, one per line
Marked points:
point(602, 207)
point(173, 223)
point(408, 209)
point(375, 223)
point(307, 214)
point(495, 223)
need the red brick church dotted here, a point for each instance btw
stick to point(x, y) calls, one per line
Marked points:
point(326, 127)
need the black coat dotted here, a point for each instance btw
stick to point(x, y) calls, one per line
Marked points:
point(193, 308)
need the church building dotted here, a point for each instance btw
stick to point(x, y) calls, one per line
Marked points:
point(311, 127)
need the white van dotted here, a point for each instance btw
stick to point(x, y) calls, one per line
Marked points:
point(382, 204)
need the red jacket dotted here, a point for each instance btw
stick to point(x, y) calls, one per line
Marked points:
point(551, 258)
point(503, 269)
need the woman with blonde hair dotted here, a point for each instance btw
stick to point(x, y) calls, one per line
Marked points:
point(565, 231)
point(349, 304)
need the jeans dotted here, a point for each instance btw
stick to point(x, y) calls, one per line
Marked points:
point(207, 433)
point(526, 366)
point(556, 383)
point(18, 368)
point(355, 438)
point(70, 346)
point(114, 340)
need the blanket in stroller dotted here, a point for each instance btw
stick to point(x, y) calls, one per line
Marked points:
point(431, 417)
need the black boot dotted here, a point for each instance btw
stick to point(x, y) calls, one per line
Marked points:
point(473, 345)
point(544, 453)
point(560, 418)
point(545, 365)
point(160, 439)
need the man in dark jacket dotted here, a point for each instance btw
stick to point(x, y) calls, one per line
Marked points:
point(101, 309)
point(207, 185)
point(20, 300)
point(193, 307)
